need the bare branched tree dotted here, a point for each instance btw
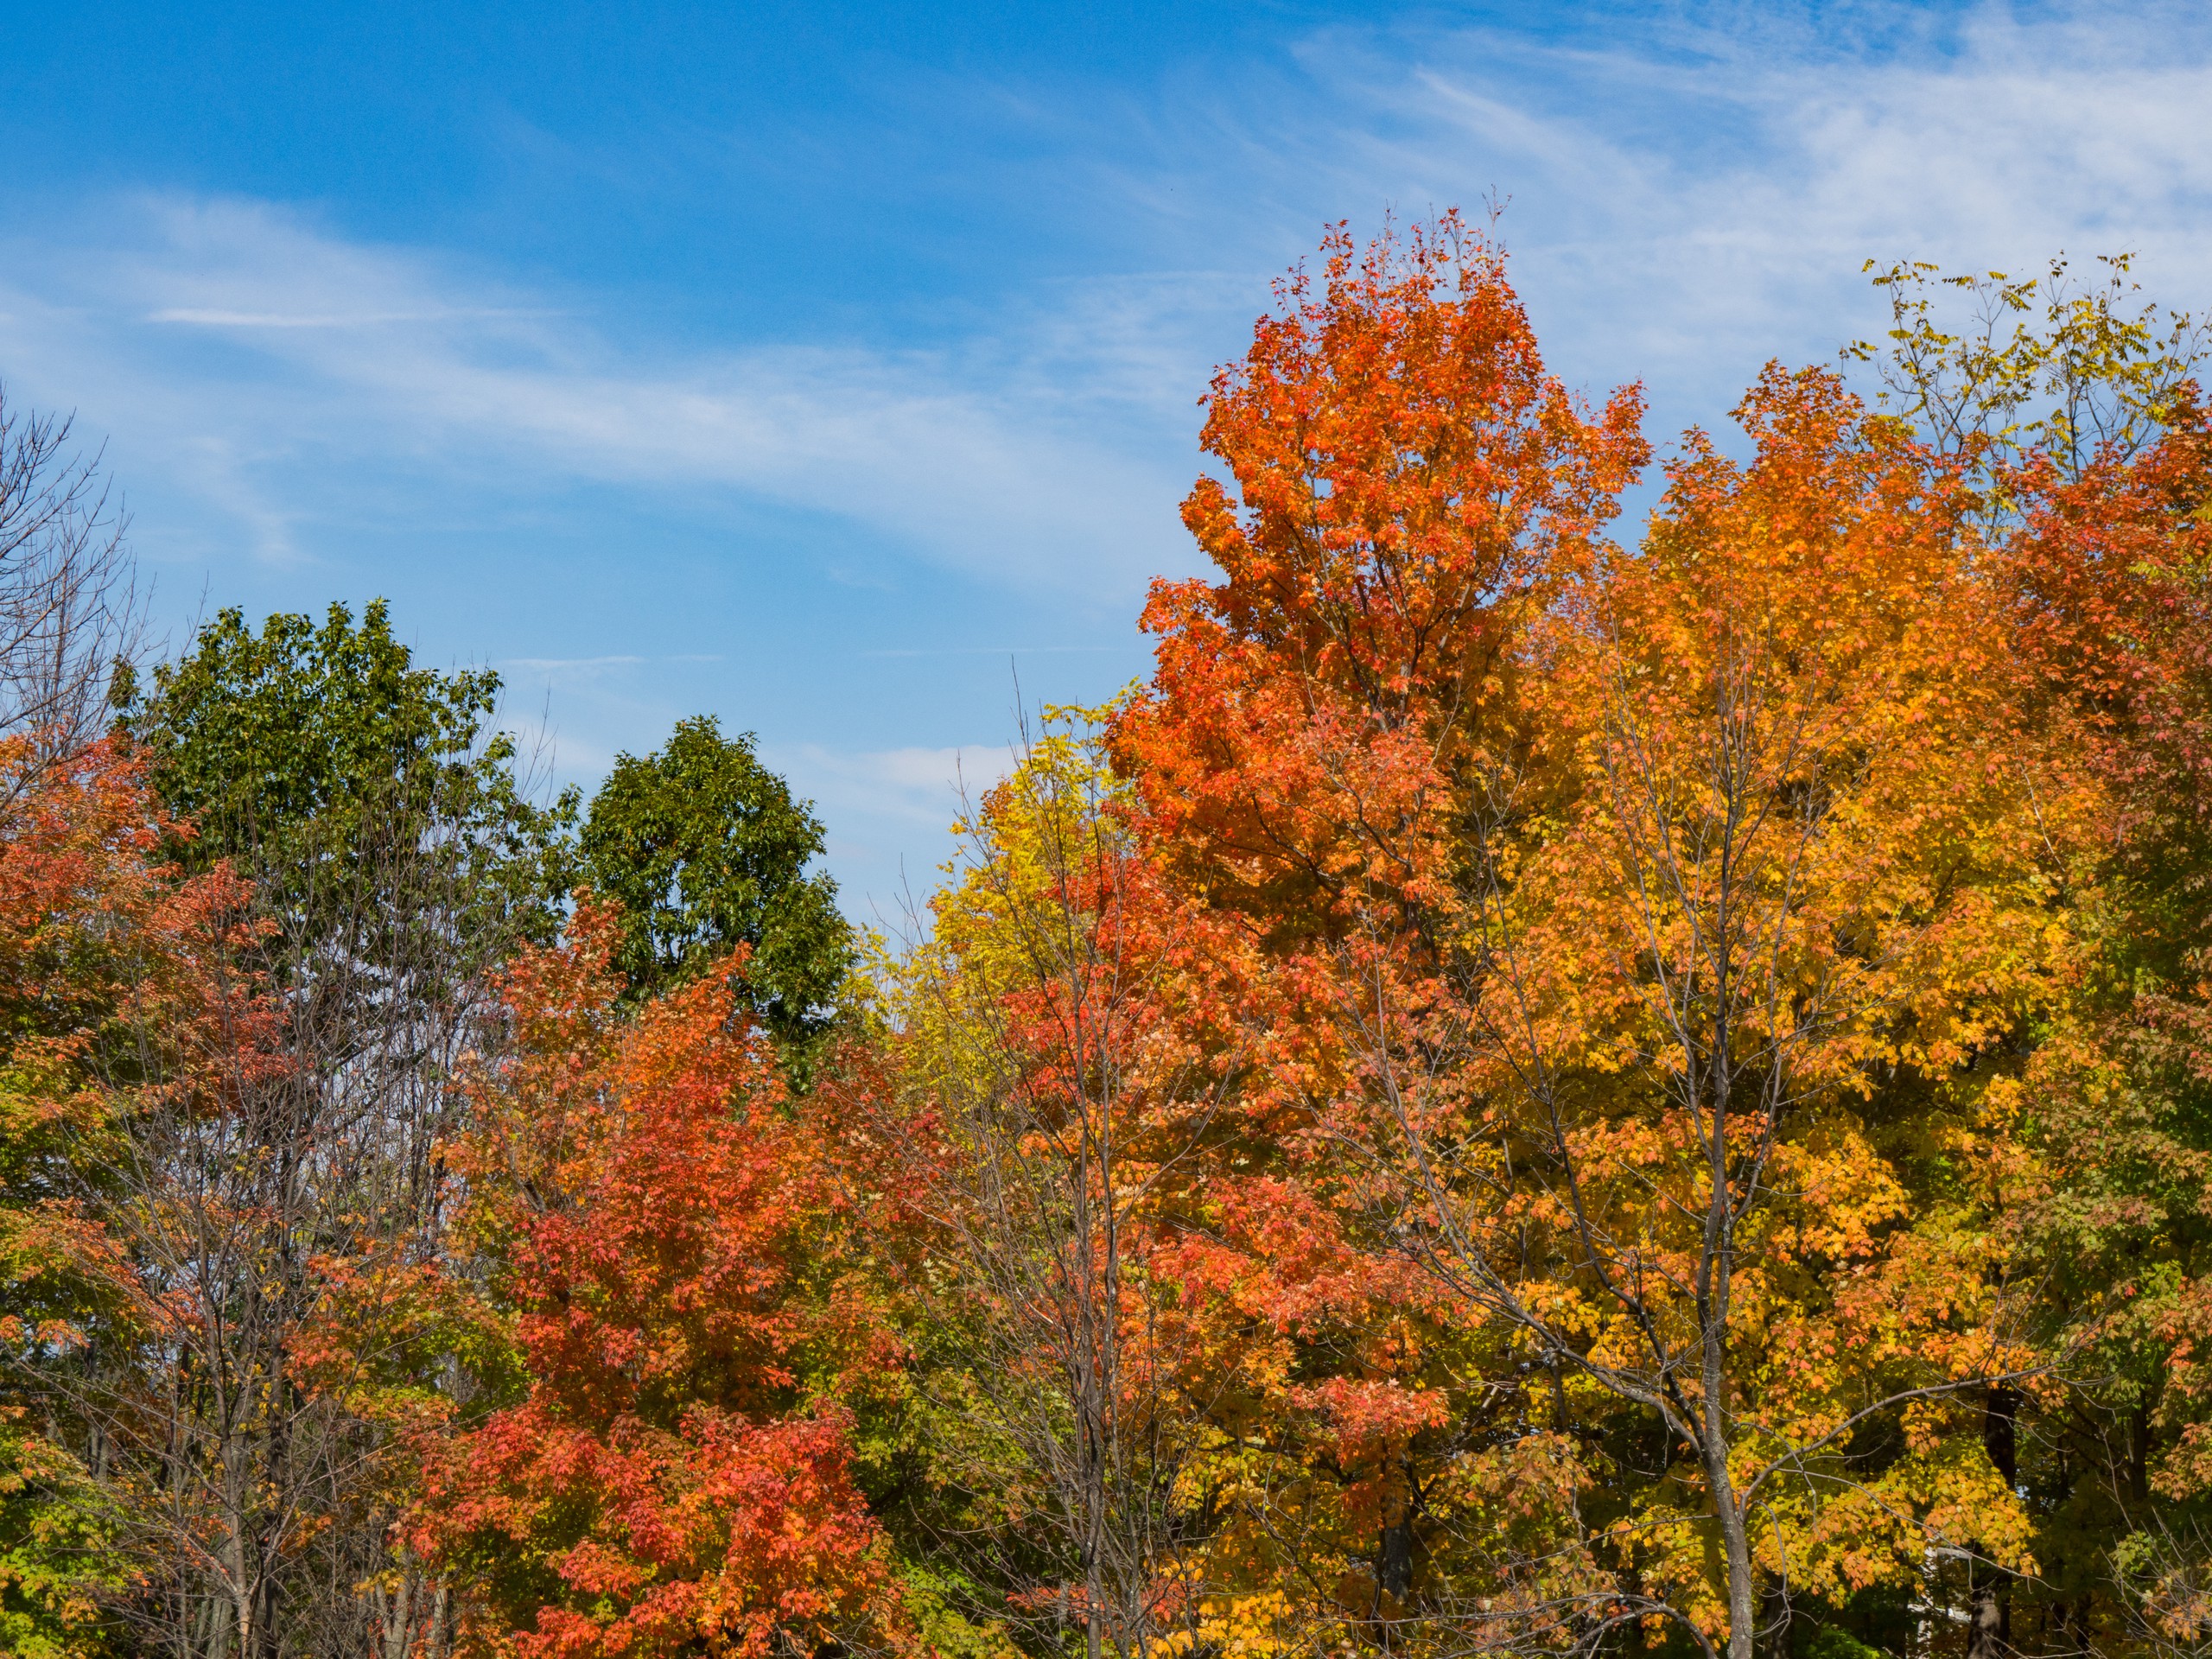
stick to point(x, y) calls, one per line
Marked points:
point(240, 1434)
point(70, 607)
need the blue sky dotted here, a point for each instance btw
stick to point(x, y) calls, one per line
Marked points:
point(828, 367)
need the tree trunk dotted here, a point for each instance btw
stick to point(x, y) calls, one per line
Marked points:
point(1743, 1592)
point(1989, 1620)
point(1394, 1566)
point(1716, 1286)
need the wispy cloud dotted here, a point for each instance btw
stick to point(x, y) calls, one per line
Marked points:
point(1006, 651)
point(203, 317)
point(390, 358)
point(925, 787)
point(889, 813)
point(568, 664)
point(1686, 198)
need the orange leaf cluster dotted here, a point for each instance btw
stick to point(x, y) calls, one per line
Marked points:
point(648, 1202)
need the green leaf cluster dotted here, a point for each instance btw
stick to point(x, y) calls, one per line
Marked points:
point(323, 758)
point(706, 851)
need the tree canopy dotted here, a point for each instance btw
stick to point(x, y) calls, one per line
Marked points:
point(1543, 1085)
point(705, 850)
point(309, 754)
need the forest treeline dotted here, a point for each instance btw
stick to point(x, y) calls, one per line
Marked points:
point(1541, 1086)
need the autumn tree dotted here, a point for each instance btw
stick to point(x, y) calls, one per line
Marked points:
point(1414, 488)
point(2073, 409)
point(647, 1241)
point(1719, 1025)
point(1323, 728)
point(63, 836)
point(126, 999)
point(1612, 934)
point(1022, 1133)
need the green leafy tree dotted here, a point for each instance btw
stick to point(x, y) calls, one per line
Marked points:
point(313, 754)
point(706, 849)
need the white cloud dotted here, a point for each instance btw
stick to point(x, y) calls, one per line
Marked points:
point(553, 666)
point(919, 786)
point(276, 340)
point(890, 813)
point(1685, 201)
point(206, 318)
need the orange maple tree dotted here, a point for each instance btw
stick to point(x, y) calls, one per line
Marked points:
point(646, 1206)
point(1412, 486)
point(1583, 924)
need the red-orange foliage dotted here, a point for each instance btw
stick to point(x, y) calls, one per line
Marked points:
point(98, 939)
point(2113, 612)
point(647, 1205)
point(119, 1001)
point(1325, 729)
point(1412, 484)
point(1575, 921)
point(1411, 490)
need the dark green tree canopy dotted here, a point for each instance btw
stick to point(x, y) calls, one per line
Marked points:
point(706, 849)
point(314, 756)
